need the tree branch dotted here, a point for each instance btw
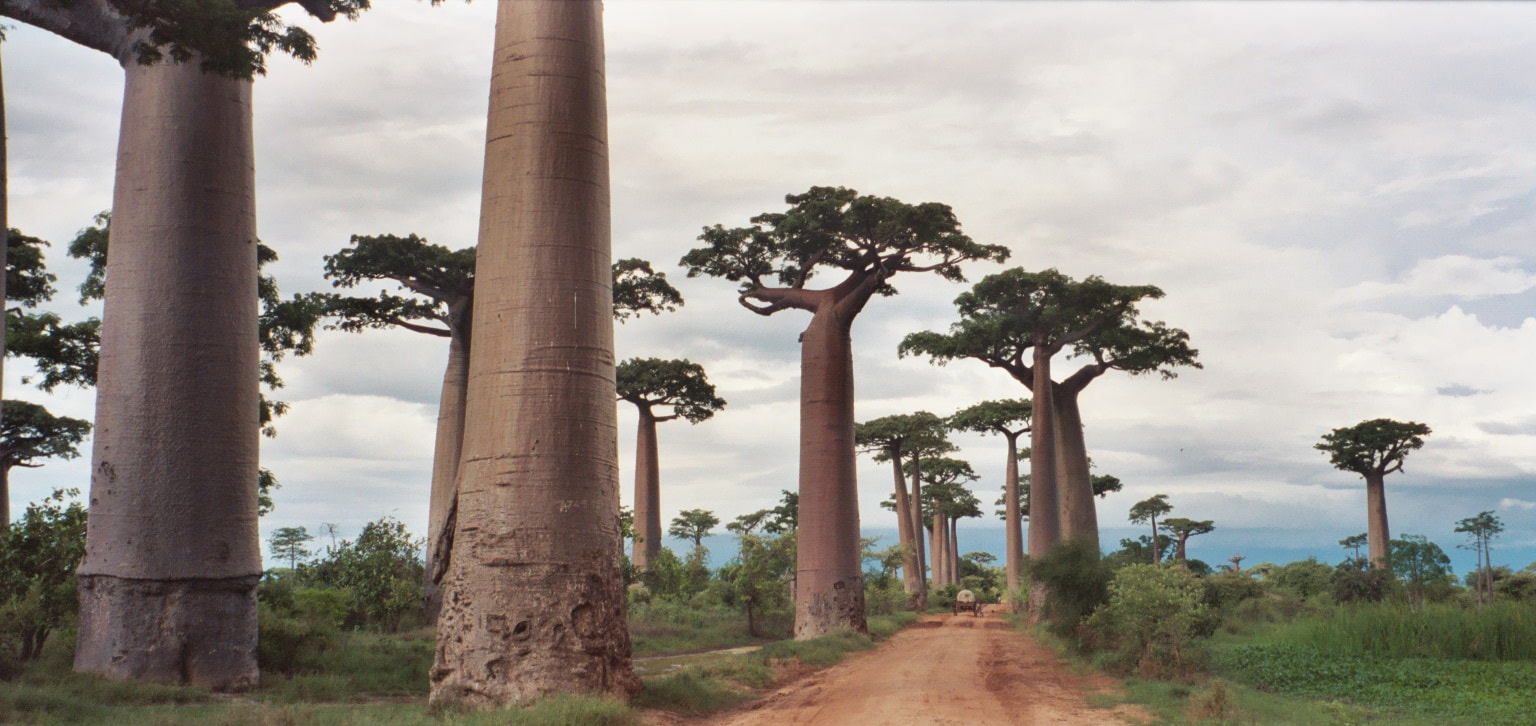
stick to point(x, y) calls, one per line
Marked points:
point(94, 24)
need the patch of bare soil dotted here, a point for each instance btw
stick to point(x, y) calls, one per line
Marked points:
point(959, 670)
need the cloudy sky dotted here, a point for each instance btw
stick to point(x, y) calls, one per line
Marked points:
point(1338, 199)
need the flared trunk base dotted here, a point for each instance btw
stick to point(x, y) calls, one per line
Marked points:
point(188, 632)
point(827, 610)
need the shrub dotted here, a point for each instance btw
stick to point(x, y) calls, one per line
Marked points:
point(1226, 590)
point(1353, 584)
point(38, 556)
point(1076, 583)
point(1304, 577)
point(1153, 616)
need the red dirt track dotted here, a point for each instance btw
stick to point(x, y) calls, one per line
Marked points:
point(959, 670)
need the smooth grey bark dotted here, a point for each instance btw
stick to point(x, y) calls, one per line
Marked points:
point(1079, 513)
point(954, 550)
point(918, 526)
point(912, 581)
point(647, 492)
point(533, 602)
point(1376, 520)
point(829, 593)
point(5, 230)
point(1044, 514)
point(1013, 540)
point(167, 585)
point(442, 507)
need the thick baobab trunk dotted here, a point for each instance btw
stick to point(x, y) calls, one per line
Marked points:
point(829, 593)
point(533, 603)
point(647, 493)
point(954, 550)
point(1157, 547)
point(1178, 549)
point(1013, 543)
point(918, 526)
point(441, 506)
point(938, 541)
point(1079, 517)
point(1376, 519)
point(911, 567)
point(1044, 512)
point(168, 582)
point(5, 244)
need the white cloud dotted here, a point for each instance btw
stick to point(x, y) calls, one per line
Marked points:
point(1456, 276)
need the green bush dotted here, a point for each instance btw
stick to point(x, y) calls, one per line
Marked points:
point(884, 599)
point(1224, 591)
point(1076, 583)
point(38, 556)
point(1305, 578)
point(290, 644)
point(1498, 632)
point(1153, 618)
point(1353, 584)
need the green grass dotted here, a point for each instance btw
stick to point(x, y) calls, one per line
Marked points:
point(359, 665)
point(1499, 632)
point(1436, 689)
point(664, 627)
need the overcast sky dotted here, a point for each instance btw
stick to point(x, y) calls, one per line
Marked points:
point(1339, 200)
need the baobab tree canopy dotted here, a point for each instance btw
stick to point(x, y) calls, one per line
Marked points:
point(680, 384)
point(834, 227)
point(1375, 446)
point(1002, 416)
point(229, 37)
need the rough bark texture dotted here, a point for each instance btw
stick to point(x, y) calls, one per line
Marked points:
point(1014, 529)
point(172, 554)
point(647, 492)
point(1079, 516)
point(1376, 519)
point(441, 509)
point(533, 602)
point(829, 592)
point(911, 567)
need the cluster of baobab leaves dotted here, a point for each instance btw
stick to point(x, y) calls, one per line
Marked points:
point(524, 535)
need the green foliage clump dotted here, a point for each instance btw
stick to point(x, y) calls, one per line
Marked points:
point(1306, 578)
point(38, 555)
point(1357, 582)
point(1226, 590)
point(383, 571)
point(688, 692)
point(1153, 618)
point(1076, 581)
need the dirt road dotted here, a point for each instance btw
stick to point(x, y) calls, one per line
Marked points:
point(945, 669)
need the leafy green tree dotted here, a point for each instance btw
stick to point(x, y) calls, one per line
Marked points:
point(784, 518)
point(382, 571)
point(1009, 418)
point(1148, 510)
point(288, 543)
point(945, 499)
point(867, 240)
point(1018, 321)
point(1373, 449)
point(1154, 615)
point(1304, 577)
point(1183, 529)
point(892, 439)
point(681, 387)
point(1353, 543)
point(694, 525)
point(30, 434)
point(761, 583)
point(1481, 530)
point(1420, 564)
point(39, 554)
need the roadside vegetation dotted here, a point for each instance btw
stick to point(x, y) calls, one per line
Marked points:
point(1300, 643)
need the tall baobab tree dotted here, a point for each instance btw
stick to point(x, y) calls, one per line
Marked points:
point(1147, 511)
point(1373, 449)
point(167, 585)
point(440, 286)
point(944, 498)
point(892, 438)
point(682, 387)
point(533, 598)
point(868, 239)
point(1010, 419)
point(1018, 321)
point(1182, 529)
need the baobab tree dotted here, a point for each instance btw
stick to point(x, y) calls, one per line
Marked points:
point(944, 498)
point(1010, 419)
point(868, 239)
point(30, 434)
point(440, 287)
point(681, 387)
point(892, 438)
point(1373, 449)
point(533, 598)
point(693, 525)
point(1017, 321)
point(1147, 511)
point(1481, 530)
point(167, 585)
point(1182, 529)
